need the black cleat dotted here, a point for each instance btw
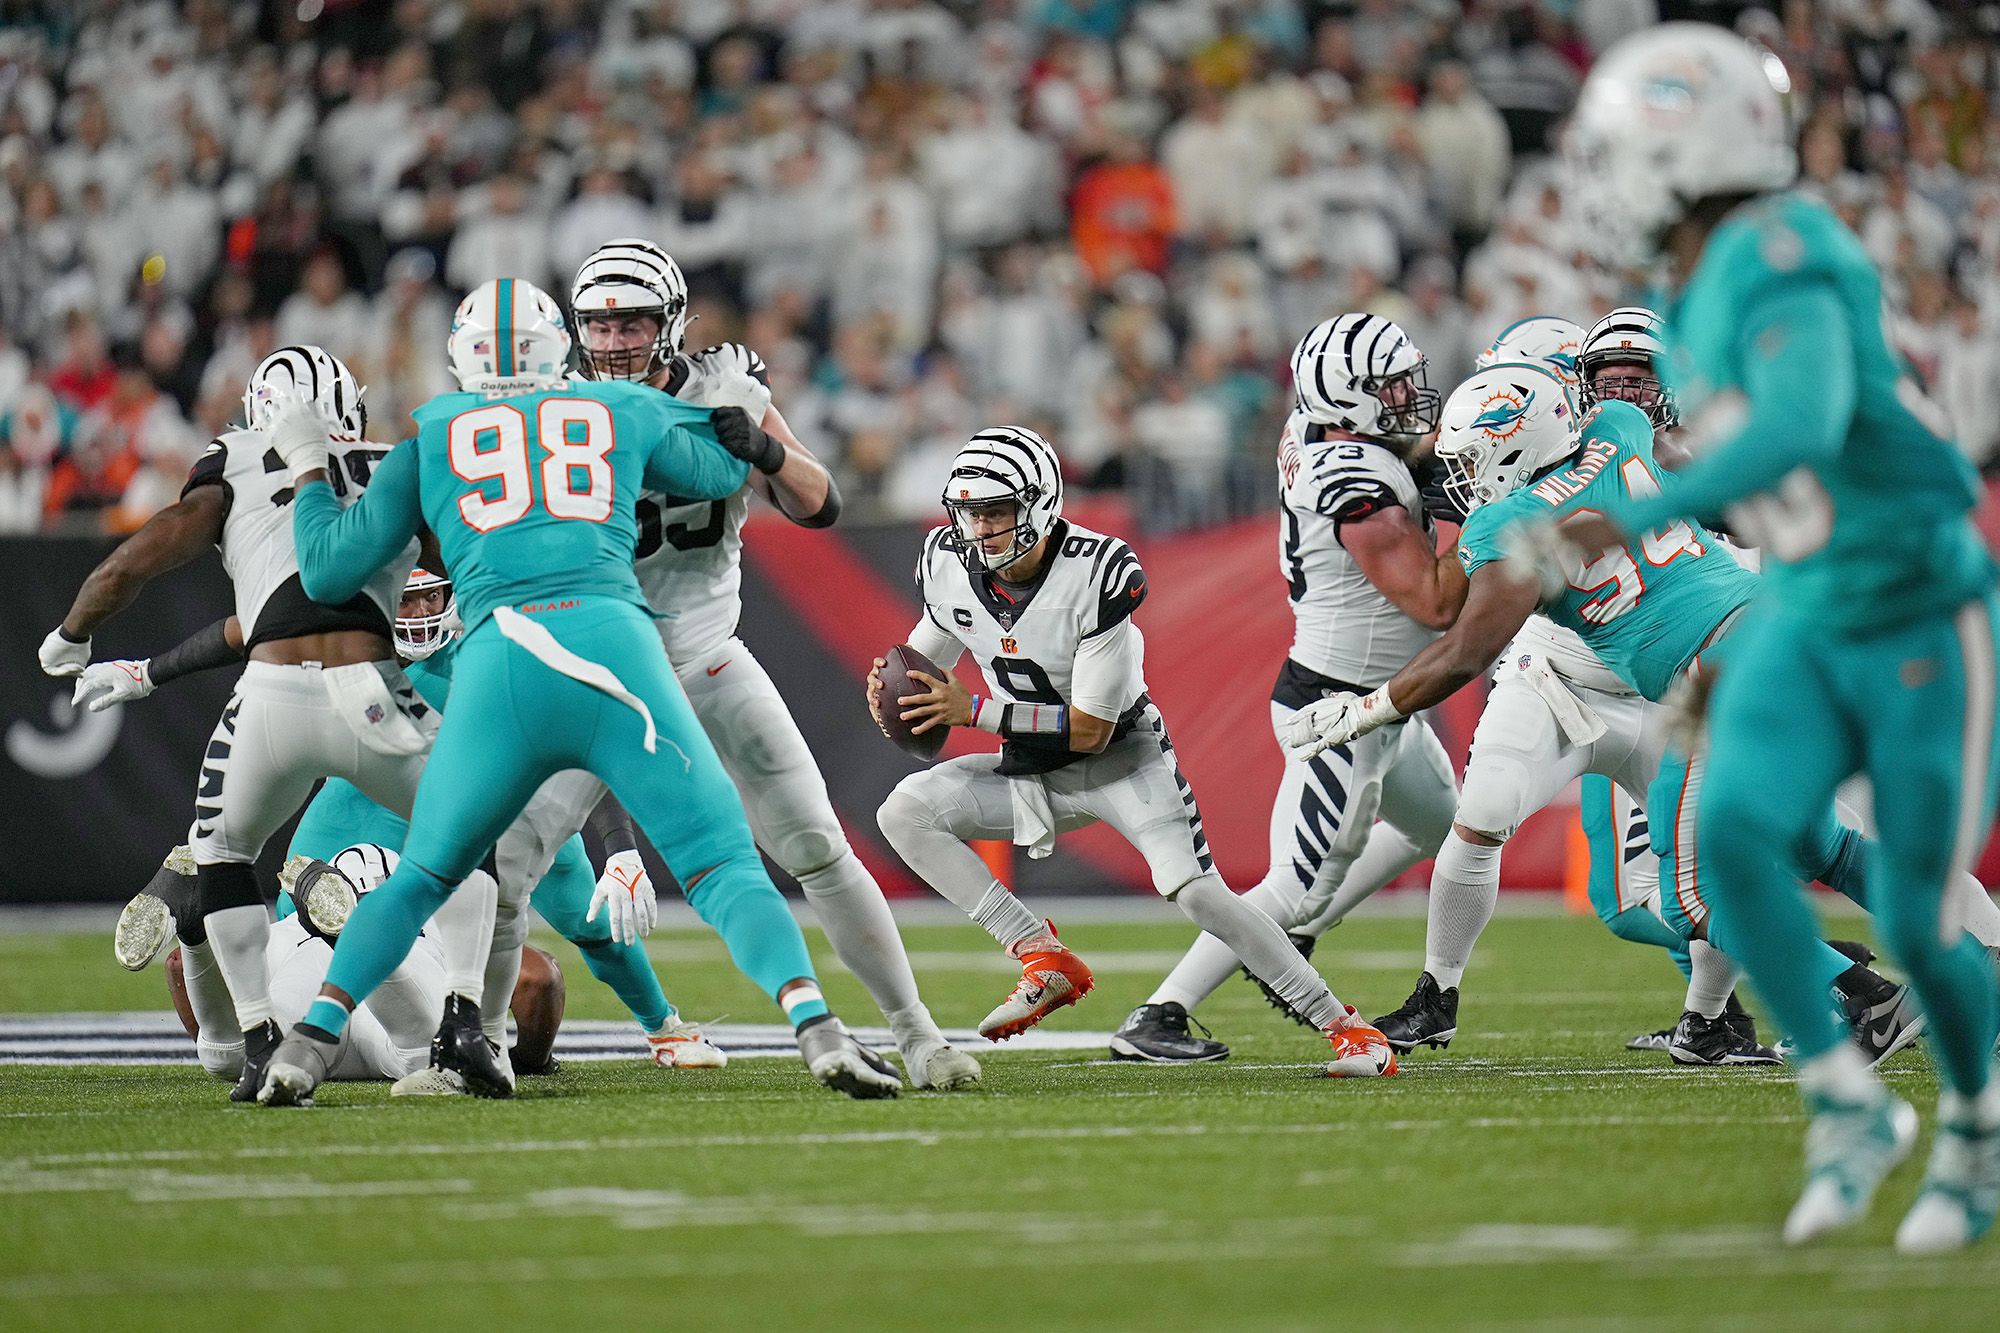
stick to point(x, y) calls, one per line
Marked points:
point(1853, 950)
point(1304, 944)
point(1716, 1041)
point(461, 1048)
point(1740, 1020)
point(550, 1065)
point(1882, 1017)
point(258, 1043)
point(1159, 1033)
point(1428, 1018)
point(1651, 1041)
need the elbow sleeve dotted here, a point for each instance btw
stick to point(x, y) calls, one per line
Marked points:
point(828, 512)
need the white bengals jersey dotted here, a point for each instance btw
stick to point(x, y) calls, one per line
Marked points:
point(257, 550)
point(690, 552)
point(1344, 628)
point(1026, 639)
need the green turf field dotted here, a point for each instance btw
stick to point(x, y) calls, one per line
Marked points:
point(1537, 1174)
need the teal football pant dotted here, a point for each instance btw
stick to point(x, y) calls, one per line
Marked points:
point(515, 721)
point(1614, 846)
point(341, 816)
point(1801, 708)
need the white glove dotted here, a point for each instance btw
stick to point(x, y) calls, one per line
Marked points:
point(625, 892)
point(106, 684)
point(1336, 720)
point(1534, 552)
point(64, 657)
point(726, 381)
point(298, 431)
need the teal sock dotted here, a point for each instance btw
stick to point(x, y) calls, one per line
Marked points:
point(1760, 917)
point(739, 901)
point(379, 935)
point(1642, 927)
point(330, 1016)
point(1833, 855)
point(627, 970)
point(1953, 982)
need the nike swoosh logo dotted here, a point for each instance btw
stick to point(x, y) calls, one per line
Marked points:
point(1034, 996)
point(712, 670)
point(1879, 1032)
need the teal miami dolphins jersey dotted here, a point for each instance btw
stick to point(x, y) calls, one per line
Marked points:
point(532, 496)
point(1782, 322)
point(1646, 609)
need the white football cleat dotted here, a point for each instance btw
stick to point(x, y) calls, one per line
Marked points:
point(840, 1062)
point(1961, 1189)
point(144, 928)
point(430, 1081)
point(1850, 1149)
point(679, 1045)
point(943, 1069)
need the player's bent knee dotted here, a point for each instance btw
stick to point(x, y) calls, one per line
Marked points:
point(904, 815)
point(813, 852)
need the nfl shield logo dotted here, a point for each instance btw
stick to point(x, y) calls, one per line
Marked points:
point(375, 713)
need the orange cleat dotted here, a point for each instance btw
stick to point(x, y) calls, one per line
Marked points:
point(1360, 1052)
point(1051, 977)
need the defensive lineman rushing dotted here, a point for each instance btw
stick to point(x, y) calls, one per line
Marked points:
point(630, 303)
point(1045, 607)
point(1874, 649)
point(1368, 590)
point(322, 694)
point(530, 483)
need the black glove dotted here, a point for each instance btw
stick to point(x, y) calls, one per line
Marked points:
point(744, 438)
point(1438, 503)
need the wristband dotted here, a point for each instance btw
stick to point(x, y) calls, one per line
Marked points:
point(1377, 710)
point(987, 714)
point(1020, 721)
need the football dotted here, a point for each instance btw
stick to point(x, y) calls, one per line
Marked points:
point(896, 683)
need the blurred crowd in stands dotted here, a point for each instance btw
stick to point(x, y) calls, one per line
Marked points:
point(1103, 218)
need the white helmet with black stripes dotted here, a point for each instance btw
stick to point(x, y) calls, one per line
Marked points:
point(1621, 359)
point(1501, 427)
point(365, 865)
point(508, 336)
point(317, 374)
point(624, 278)
point(1363, 375)
point(1548, 341)
point(1001, 465)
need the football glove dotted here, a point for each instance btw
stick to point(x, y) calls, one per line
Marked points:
point(625, 894)
point(727, 377)
point(298, 430)
point(746, 440)
point(62, 655)
point(1438, 502)
point(107, 684)
point(1336, 720)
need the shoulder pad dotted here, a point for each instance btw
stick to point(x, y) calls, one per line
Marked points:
point(1120, 583)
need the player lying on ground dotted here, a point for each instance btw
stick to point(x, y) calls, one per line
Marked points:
point(1873, 649)
point(531, 483)
point(1046, 609)
point(630, 303)
point(322, 694)
point(1511, 439)
point(597, 914)
point(392, 1032)
point(1368, 590)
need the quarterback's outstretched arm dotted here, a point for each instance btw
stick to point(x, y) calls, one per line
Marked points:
point(340, 549)
point(1801, 384)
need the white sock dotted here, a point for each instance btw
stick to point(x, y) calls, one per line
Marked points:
point(1006, 918)
point(858, 924)
point(218, 1035)
point(1209, 962)
point(1465, 888)
point(503, 969)
point(1982, 917)
point(239, 936)
point(1256, 939)
point(465, 937)
point(1841, 1075)
point(1712, 977)
point(1387, 853)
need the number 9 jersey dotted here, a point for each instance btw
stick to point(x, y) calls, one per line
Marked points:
point(1647, 610)
point(1027, 638)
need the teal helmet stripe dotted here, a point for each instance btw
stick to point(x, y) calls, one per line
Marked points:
point(504, 296)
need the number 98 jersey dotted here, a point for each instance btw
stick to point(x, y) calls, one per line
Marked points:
point(257, 549)
point(1026, 638)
